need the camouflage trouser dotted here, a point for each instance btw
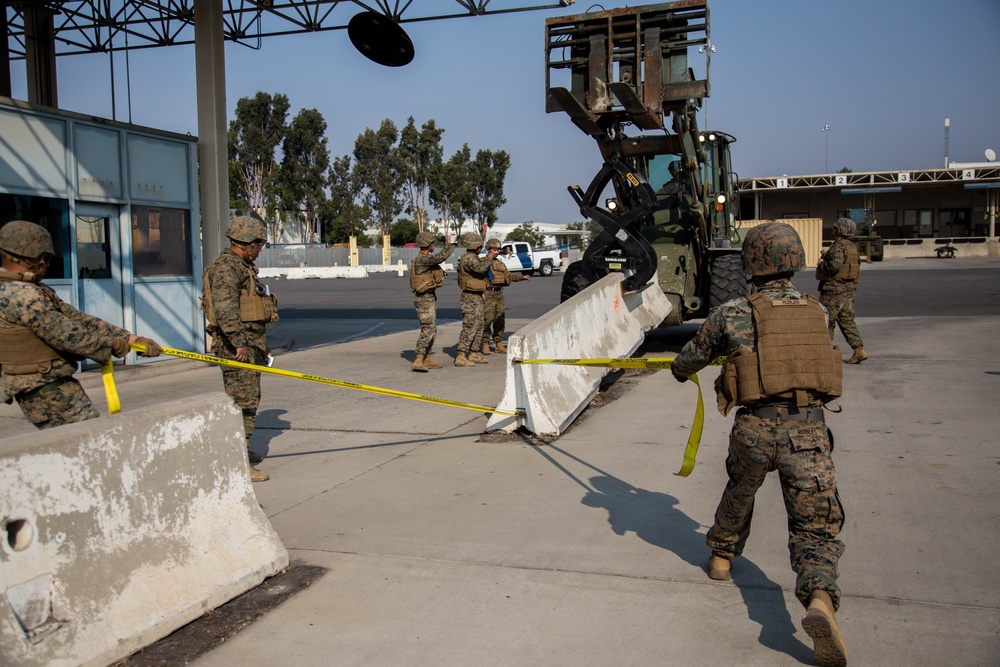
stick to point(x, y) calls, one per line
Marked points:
point(243, 386)
point(426, 305)
point(493, 317)
point(471, 337)
point(800, 452)
point(840, 306)
point(66, 404)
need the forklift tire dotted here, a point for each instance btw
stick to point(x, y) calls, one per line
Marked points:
point(573, 282)
point(728, 280)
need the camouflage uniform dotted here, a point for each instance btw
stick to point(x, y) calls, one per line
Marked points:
point(799, 450)
point(838, 294)
point(52, 397)
point(227, 277)
point(471, 338)
point(426, 304)
point(494, 317)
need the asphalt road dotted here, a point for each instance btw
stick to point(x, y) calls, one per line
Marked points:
point(902, 288)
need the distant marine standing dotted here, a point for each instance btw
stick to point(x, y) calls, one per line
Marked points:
point(472, 281)
point(494, 317)
point(43, 338)
point(238, 306)
point(426, 275)
point(838, 271)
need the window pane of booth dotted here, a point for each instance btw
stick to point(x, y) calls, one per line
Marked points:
point(53, 214)
point(161, 242)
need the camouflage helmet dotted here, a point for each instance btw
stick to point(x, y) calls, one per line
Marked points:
point(424, 239)
point(25, 239)
point(246, 229)
point(771, 248)
point(493, 244)
point(472, 240)
point(845, 227)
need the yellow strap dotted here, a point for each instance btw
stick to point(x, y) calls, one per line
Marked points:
point(110, 391)
point(139, 347)
point(660, 363)
point(694, 440)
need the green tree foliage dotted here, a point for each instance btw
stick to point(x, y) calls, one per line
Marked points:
point(528, 233)
point(486, 179)
point(403, 231)
point(449, 190)
point(344, 216)
point(303, 172)
point(378, 168)
point(420, 155)
point(257, 130)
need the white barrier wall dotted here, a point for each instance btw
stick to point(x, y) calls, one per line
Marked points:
point(119, 530)
point(596, 323)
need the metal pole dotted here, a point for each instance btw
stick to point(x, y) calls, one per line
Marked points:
point(947, 126)
point(826, 135)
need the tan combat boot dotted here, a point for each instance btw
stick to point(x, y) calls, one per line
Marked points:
point(419, 364)
point(820, 624)
point(718, 568)
point(499, 348)
point(258, 475)
point(430, 363)
point(486, 348)
point(462, 360)
point(478, 358)
point(859, 356)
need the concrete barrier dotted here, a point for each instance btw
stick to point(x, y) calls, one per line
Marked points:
point(975, 246)
point(119, 530)
point(598, 322)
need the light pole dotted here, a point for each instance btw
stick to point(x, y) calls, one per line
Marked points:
point(826, 136)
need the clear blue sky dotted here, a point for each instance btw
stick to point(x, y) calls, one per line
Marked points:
point(884, 74)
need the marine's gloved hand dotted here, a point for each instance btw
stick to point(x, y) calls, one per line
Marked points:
point(153, 348)
point(677, 376)
point(120, 346)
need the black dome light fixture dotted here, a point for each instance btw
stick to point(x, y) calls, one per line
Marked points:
point(380, 39)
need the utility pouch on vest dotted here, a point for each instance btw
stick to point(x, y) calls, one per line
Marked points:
point(258, 308)
point(501, 277)
point(467, 280)
point(24, 353)
point(422, 283)
point(739, 382)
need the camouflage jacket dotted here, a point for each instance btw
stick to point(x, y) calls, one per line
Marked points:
point(833, 260)
point(227, 276)
point(422, 263)
point(727, 328)
point(62, 327)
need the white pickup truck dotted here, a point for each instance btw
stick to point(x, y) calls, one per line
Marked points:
point(521, 258)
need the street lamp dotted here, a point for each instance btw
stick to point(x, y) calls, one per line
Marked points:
point(826, 135)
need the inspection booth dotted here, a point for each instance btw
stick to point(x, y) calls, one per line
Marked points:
point(121, 203)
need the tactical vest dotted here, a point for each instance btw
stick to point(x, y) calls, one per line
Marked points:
point(255, 304)
point(471, 281)
point(794, 361)
point(851, 270)
point(501, 274)
point(422, 283)
point(21, 351)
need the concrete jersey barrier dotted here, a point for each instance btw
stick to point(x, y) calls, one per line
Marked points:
point(119, 530)
point(598, 322)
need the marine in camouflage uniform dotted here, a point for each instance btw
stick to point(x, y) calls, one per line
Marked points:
point(428, 264)
point(238, 308)
point(494, 317)
point(43, 338)
point(472, 279)
point(838, 271)
point(776, 432)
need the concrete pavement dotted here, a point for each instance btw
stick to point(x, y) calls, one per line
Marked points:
point(444, 547)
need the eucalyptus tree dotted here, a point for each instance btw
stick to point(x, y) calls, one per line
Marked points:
point(449, 191)
point(254, 134)
point(420, 154)
point(485, 182)
point(303, 174)
point(378, 167)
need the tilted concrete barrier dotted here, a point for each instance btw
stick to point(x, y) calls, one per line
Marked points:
point(119, 530)
point(598, 322)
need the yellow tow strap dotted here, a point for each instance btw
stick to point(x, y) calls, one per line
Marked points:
point(108, 375)
point(139, 347)
point(694, 440)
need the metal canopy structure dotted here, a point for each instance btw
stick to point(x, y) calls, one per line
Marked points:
point(102, 26)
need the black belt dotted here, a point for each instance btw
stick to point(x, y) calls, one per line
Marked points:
point(493, 289)
point(49, 386)
point(789, 413)
point(469, 291)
